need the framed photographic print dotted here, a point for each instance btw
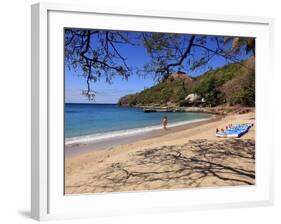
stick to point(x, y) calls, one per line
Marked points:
point(148, 111)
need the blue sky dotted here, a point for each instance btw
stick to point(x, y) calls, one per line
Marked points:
point(136, 57)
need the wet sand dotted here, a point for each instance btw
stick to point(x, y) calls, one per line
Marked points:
point(74, 149)
point(182, 157)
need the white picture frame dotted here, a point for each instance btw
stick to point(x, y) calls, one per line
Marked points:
point(48, 200)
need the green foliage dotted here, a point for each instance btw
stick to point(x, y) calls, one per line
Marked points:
point(245, 94)
point(184, 103)
point(232, 84)
point(209, 85)
point(171, 90)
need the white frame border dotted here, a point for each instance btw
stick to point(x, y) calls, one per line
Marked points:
point(39, 110)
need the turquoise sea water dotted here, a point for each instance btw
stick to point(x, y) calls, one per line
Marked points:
point(89, 122)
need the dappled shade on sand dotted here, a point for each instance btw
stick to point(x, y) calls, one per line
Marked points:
point(197, 163)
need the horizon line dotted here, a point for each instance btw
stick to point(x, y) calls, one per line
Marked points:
point(86, 103)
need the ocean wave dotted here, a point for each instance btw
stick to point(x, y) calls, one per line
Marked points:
point(122, 133)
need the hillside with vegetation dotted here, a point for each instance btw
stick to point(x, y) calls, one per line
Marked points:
point(232, 84)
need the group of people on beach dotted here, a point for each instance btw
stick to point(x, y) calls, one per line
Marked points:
point(222, 130)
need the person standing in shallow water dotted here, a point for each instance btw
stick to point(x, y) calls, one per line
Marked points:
point(165, 122)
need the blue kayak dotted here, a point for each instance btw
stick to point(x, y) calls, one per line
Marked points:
point(235, 131)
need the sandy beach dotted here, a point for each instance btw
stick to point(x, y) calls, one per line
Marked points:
point(190, 156)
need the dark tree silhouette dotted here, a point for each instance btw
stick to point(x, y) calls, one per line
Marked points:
point(96, 53)
point(170, 53)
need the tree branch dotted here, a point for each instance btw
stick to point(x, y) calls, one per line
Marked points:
point(184, 55)
point(222, 55)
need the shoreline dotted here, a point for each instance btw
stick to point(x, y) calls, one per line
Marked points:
point(217, 110)
point(190, 156)
point(102, 144)
point(84, 139)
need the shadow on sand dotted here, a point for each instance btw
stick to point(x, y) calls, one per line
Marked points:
point(198, 163)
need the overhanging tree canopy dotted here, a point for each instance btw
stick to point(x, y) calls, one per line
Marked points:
point(96, 53)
